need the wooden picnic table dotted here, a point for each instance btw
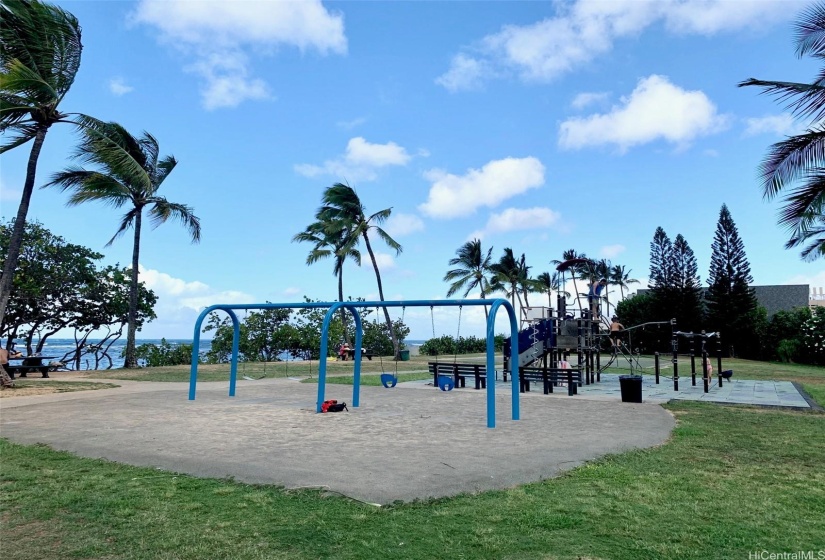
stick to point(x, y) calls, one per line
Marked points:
point(27, 364)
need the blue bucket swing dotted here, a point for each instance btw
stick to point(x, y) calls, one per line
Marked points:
point(389, 380)
point(444, 382)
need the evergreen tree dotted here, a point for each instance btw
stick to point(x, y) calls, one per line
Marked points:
point(731, 302)
point(686, 285)
point(661, 276)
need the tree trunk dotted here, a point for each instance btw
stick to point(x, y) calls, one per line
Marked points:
point(16, 241)
point(486, 312)
point(131, 331)
point(395, 347)
point(341, 299)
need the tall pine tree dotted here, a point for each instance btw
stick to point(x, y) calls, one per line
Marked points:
point(686, 284)
point(661, 276)
point(730, 300)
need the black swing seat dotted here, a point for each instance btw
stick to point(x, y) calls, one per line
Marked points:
point(459, 373)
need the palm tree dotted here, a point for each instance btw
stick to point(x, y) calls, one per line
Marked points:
point(525, 283)
point(799, 159)
point(506, 276)
point(129, 174)
point(621, 278)
point(473, 271)
point(548, 283)
point(39, 58)
point(330, 243)
point(342, 210)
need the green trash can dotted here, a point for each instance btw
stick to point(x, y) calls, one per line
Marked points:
point(405, 355)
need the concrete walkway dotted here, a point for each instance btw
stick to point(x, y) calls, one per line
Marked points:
point(401, 444)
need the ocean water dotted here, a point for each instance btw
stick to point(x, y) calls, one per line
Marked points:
point(57, 348)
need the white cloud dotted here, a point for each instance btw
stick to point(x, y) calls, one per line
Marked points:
point(514, 219)
point(611, 251)
point(780, 125)
point(582, 100)
point(292, 291)
point(585, 29)
point(383, 260)
point(359, 162)
point(465, 73)
point(453, 195)
point(816, 280)
point(119, 87)
point(347, 125)
point(403, 224)
point(217, 35)
point(181, 301)
point(656, 109)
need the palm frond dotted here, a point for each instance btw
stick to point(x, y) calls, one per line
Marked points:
point(87, 186)
point(110, 146)
point(810, 31)
point(803, 100)
point(125, 223)
point(162, 210)
point(391, 243)
point(164, 167)
point(44, 38)
point(23, 133)
point(792, 158)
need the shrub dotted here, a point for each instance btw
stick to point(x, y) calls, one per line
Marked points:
point(165, 354)
point(464, 345)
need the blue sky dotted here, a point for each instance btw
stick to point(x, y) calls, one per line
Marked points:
point(541, 126)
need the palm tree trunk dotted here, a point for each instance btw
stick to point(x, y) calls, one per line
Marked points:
point(486, 312)
point(131, 331)
point(395, 347)
point(16, 241)
point(341, 299)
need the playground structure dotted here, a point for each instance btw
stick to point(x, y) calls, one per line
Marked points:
point(353, 307)
point(553, 336)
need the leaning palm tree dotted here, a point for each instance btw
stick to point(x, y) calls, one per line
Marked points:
point(39, 58)
point(800, 160)
point(128, 173)
point(330, 243)
point(473, 271)
point(506, 276)
point(342, 210)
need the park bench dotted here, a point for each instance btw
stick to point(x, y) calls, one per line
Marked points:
point(550, 377)
point(23, 370)
point(459, 373)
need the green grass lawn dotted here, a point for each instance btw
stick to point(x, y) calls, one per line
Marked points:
point(731, 480)
point(56, 386)
point(220, 372)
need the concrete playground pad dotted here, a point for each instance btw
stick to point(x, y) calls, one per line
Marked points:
point(401, 444)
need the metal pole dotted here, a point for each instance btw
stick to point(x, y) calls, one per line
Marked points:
point(705, 376)
point(675, 360)
point(656, 365)
point(719, 358)
point(692, 363)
